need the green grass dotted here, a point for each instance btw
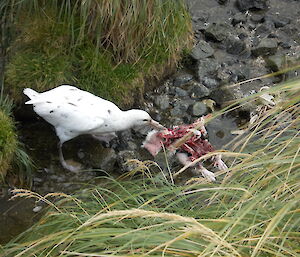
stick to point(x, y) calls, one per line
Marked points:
point(252, 211)
point(8, 139)
point(107, 47)
point(14, 162)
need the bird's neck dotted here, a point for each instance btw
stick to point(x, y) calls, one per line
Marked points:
point(125, 120)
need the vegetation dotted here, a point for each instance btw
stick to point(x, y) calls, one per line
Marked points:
point(253, 211)
point(107, 47)
point(14, 162)
point(8, 140)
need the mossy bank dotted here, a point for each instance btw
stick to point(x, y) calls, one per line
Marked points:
point(107, 49)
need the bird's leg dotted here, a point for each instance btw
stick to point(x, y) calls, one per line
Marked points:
point(63, 162)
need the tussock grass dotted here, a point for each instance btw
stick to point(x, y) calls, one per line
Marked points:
point(14, 162)
point(8, 139)
point(106, 47)
point(252, 211)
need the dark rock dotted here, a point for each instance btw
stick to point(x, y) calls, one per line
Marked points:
point(202, 50)
point(234, 45)
point(123, 157)
point(263, 30)
point(244, 5)
point(200, 19)
point(206, 67)
point(218, 31)
point(180, 108)
point(278, 20)
point(266, 46)
point(162, 101)
point(274, 62)
point(239, 18)
point(182, 79)
point(257, 18)
point(210, 83)
point(198, 109)
point(198, 90)
point(101, 158)
point(179, 92)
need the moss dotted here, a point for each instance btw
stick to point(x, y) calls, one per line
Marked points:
point(8, 143)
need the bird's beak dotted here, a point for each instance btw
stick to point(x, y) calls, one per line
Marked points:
point(156, 125)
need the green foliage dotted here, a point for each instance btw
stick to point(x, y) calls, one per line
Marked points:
point(13, 159)
point(8, 141)
point(253, 211)
point(128, 39)
point(38, 70)
point(96, 73)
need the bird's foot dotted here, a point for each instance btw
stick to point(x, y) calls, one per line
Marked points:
point(219, 163)
point(210, 176)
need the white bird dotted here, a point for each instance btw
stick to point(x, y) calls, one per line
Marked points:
point(75, 112)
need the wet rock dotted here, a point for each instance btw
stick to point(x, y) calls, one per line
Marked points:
point(278, 20)
point(123, 157)
point(206, 67)
point(238, 18)
point(218, 31)
point(222, 1)
point(180, 108)
point(200, 19)
point(162, 101)
point(234, 45)
point(198, 109)
point(210, 83)
point(202, 50)
point(267, 46)
point(263, 30)
point(198, 90)
point(182, 79)
point(257, 18)
point(274, 62)
point(125, 141)
point(179, 92)
point(97, 156)
point(244, 5)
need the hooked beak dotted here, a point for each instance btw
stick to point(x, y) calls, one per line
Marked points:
point(156, 125)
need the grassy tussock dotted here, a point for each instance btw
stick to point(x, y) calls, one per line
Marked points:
point(14, 162)
point(8, 138)
point(106, 47)
point(252, 211)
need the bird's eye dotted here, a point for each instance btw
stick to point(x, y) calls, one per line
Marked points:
point(145, 120)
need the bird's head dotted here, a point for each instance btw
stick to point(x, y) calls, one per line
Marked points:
point(142, 118)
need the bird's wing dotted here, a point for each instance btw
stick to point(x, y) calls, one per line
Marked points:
point(70, 117)
point(73, 109)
